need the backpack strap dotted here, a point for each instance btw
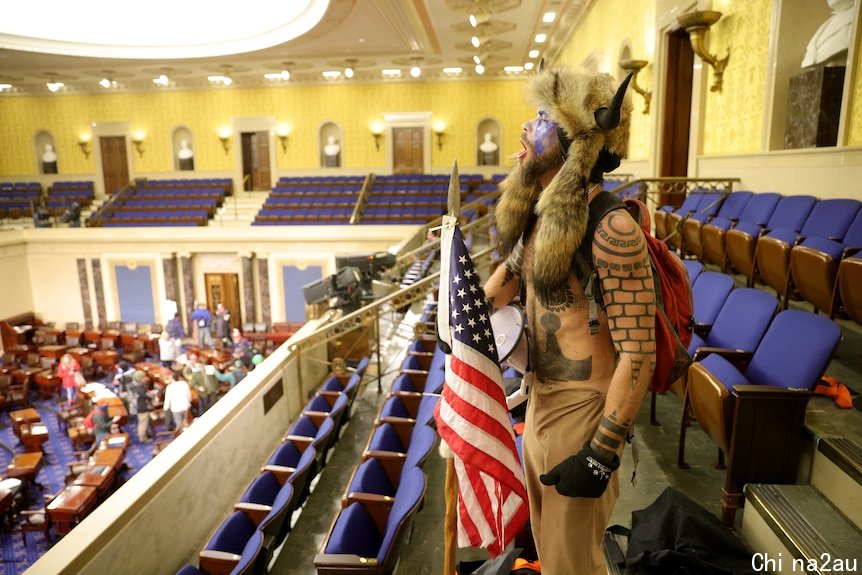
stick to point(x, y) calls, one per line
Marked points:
point(585, 268)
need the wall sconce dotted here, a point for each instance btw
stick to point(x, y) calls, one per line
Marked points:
point(439, 131)
point(283, 134)
point(696, 24)
point(377, 133)
point(138, 141)
point(84, 143)
point(224, 138)
point(635, 66)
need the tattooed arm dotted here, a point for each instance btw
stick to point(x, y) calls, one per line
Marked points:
point(623, 266)
point(503, 285)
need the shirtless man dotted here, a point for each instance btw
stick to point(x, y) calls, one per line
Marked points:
point(586, 388)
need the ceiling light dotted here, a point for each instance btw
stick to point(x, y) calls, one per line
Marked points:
point(218, 79)
point(107, 83)
point(331, 74)
point(9, 86)
point(549, 17)
point(348, 72)
point(161, 80)
point(477, 41)
point(452, 70)
point(540, 38)
point(528, 66)
point(415, 71)
point(480, 69)
point(54, 86)
point(513, 69)
point(479, 18)
point(533, 54)
point(283, 75)
point(391, 72)
point(477, 59)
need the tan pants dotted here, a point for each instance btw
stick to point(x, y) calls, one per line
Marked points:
point(568, 531)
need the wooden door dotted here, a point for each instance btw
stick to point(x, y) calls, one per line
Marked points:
point(115, 163)
point(255, 161)
point(224, 289)
point(676, 116)
point(408, 150)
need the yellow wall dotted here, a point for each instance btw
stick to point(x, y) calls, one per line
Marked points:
point(734, 117)
point(856, 111)
point(605, 30)
point(462, 105)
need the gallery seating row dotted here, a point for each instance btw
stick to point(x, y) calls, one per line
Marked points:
point(320, 180)
point(347, 191)
point(310, 201)
point(387, 487)
point(13, 189)
point(795, 245)
point(223, 185)
point(261, 519)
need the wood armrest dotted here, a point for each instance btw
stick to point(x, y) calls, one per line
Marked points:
point(317, 417)
point(377, 506)
point(413, 371)
point(345, 559)
point(395, 421)
point(737, 357)
point(702, 329)
point(300, 441)
point(330, 396)
point(769, 392)
point(417, 395)
point(384, 455)
point(257, 512)
point(422, 353)
point(215, 562)
point(282, 473)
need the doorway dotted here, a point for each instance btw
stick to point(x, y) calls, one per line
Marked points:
point(224, 289)
point(115, 163)
point(256, 171)
point(676, 116)
point(408, 150)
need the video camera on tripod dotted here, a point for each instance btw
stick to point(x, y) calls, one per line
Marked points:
point(344, 286)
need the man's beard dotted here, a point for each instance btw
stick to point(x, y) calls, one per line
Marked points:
point(530, 173)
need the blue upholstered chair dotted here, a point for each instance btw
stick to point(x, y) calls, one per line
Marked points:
point(269, 503)
point(708, 295)
point(692, 229)
point(756, 214)
point(694, 269)
point(234, 548)
point(294, 463)
point(708, 206)
point(366, 536)
point(829, 219)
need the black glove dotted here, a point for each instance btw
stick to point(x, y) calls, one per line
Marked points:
point(581, 475)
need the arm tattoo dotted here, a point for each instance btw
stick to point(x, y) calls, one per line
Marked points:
point(623, 264)
point(603, 444)
point(513, 263)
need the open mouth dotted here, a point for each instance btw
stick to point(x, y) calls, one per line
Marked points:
point(523, 151)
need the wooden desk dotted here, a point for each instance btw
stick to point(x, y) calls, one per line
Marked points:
point(116, 408)
point(33, 435)
point(119, 441)
point(93, 336)
point(25, 374)
point(106, 359)
point(47, 383)
point(70, 506)
point(111, 457)
point(28, 415)
point(99, 476)
point(78, 352)
point(25, 466)
point(52, 351)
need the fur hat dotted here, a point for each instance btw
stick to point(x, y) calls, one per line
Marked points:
point(594, 115)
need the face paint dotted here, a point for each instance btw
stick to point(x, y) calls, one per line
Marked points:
point(544, 133)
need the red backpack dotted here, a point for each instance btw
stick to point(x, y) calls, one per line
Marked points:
point(674, 315)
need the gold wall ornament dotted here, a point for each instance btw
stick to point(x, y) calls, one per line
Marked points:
point(635, 66)
point(696, 24)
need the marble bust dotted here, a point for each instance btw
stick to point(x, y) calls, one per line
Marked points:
point(49, 160)
point(185, 155)
point(832, 39)
point(488, 151)
point(331, 152)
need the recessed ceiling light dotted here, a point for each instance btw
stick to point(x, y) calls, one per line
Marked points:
point(479, 18)
point(549, 17)
point(513, 69)
point(540, 38)
point(475, 41)
point(161, 80)
point(9, 86)
point(391, 72)
point(528, 66)
point(415, 71)
point(220, 79)
point(107, 83)
point(283, 75)
point(348, 72)
point(533, 54)
point(480, 69)
point(477, 59)
point(455, 70)
point(54, 86)
point(331, 74)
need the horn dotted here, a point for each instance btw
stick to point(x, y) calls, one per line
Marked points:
point(608, 118)
point(541, 65)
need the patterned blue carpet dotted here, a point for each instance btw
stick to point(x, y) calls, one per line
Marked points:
point(16, 557)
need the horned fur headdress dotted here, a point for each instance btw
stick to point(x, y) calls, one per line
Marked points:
point(594, 118)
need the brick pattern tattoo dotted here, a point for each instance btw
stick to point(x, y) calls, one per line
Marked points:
point(623, 266)
point(513, 263)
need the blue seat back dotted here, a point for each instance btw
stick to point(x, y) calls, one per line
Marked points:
point(853, 237)
point(794, 351)
point(734, 204)
point(791, 212)
point(743, 319)
point(371, 478)
point(287, 455)
point(385, 438)
point(233, 534)
point(709, 294)
point(422, 441)
point(354, 533)
point(263, 490)
point(304, 426)
point(410, 493)
point(830, 219)
point(694, 269)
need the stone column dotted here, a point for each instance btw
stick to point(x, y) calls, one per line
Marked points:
point(188, 290)
point(100, 292)
point(85, 293)
point(263, 284)
point(249, 295)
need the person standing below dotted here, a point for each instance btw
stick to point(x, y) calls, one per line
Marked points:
point(202, 319)
point(175, 329)
point(167, 349)
point(178, 401)
point(221, 324)
point(67, 371)
point(139, 404)
point(103, 422)
point(589, 380)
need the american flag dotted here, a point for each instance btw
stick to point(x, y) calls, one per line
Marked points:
point(472, 417)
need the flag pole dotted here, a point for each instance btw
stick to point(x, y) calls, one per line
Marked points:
point(450, 523)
